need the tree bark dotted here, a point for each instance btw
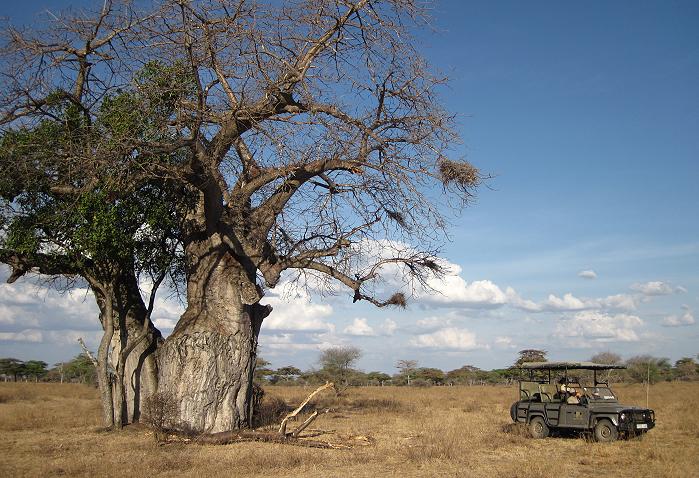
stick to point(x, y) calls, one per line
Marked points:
point(137, 377)
point(206, 366)
point(103, 373)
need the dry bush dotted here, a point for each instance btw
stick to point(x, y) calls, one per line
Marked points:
point(159, 412)
point(271, 411)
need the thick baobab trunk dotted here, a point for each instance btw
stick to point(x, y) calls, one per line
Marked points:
point(206, 365)
point(140, 371)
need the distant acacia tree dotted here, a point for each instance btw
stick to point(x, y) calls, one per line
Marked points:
point(337, 362)
point(80, 369)
point(35, 368)
point(606, 358)
point(287, 374)
point(407, 369)
point(686, 369)
point(431, 376)
point(646, 368)
point(468, 374)
point(378, 378)
point(310, 137)
point(530, 355)
point(12, 368)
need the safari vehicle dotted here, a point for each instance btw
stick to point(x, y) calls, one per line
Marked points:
point(565, 404)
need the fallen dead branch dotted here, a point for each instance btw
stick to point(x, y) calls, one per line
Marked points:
point(282, 427)
point(282, 435)
point(225, 438)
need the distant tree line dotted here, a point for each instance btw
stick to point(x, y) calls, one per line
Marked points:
point(337, 364)
point(78, 370)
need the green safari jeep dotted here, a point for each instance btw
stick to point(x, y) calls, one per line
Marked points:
point(565, 404)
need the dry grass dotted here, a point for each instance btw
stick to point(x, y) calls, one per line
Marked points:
point(51, 430)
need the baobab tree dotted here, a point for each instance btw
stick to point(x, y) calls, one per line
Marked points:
point(309, 136)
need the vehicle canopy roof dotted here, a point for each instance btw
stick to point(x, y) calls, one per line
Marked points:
point(568, 366)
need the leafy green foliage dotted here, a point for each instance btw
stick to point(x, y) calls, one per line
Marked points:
point(99, 221)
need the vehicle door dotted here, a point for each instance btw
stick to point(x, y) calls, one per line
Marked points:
point(574, 415)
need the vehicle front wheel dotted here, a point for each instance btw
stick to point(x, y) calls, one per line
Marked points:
point(605, 431)
point(538, 428)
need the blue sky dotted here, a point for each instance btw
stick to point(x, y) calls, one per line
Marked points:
point(586, 114)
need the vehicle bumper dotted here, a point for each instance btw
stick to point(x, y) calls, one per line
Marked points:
point(636, 421)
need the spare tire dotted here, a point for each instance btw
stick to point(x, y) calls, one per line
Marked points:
point(513, 412)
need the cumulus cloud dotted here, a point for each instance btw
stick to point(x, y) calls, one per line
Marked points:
point(28, 335)
point(504, 342)
point(453, 291)
point(293, 309)
point(517, 301)
point(653, 288)
point(571, 303)
point(567, 302)
point(433, 323)
point(389, 327)
point(617, 301)
point(166, 312)
point(448, 338)
point(596, 326)
point(687, 318)
point(359, 327)
point(28, 311)
point(587, 274)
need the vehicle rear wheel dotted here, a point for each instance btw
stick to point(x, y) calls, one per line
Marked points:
point(605, 431)
point(538, 428)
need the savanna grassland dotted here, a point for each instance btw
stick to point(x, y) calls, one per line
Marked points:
point(53, 430)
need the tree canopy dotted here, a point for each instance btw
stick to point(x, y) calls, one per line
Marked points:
point(265, 138)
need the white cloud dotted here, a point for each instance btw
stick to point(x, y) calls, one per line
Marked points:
point(567, 302)
point(453, 291)
point(166, 311)
point(389, 327)
point(294, 310)
point(359, 327)
point(13, 315)
point(70, 337)
point(653, 288)
point(164, 324)
point(598, 327)
point(617, 301)
point(433, 322)
point(571, 303)
point(515, 300)
point(448, 338)
point(587, 274)
point(28, 335)
point(504, 342)
point(687, 318)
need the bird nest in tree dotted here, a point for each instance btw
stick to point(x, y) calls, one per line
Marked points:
point(460, 173)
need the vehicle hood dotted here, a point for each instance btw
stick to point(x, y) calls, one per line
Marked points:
point(613, 407)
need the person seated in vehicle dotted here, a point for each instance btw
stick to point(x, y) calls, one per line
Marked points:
point(569, 394)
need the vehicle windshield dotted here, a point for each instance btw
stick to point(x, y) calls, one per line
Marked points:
point(599, 393)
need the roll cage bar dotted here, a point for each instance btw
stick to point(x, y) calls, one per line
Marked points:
point(565, 366)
